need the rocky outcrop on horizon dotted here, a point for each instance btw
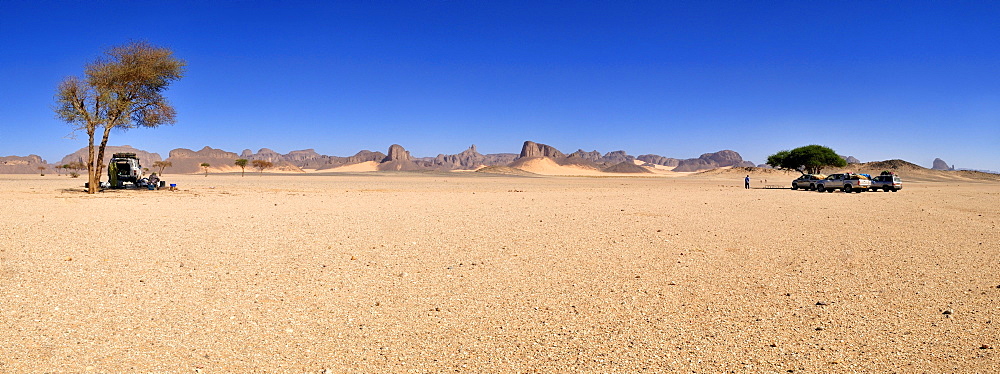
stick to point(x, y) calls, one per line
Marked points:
point(592, 155)
point(397, 153)
point(469, 159)
point(279, 161)
point(608, 159)
point(146, 159)
point(659, 160)
point(939, 164)
point(616, 157)
point(186, 161)
point(398, 159)
point(532, 149)
point(852, 160)
point(708, 161)
point(23, 164)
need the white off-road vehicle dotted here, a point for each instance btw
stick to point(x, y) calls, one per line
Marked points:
point(124, 167)
point(847, 182)
point(886, 182)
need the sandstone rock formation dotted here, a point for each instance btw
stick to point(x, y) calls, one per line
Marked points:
point(852, 160)
point(469, 159)
point(186, 161)
point(532, 149)
point(607, 160)
point(659, 160)
point(398, 159)
point(939, 164)
point(718, 159)
point(592, 155)
point(281, 162)
point(323, 162)
point(397, 153)
point(616, 157)
point(23, 165)
point(146, 159)
point(304, 155)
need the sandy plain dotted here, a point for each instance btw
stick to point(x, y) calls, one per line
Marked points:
point(463, 272)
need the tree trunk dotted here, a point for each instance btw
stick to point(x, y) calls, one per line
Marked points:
point(100, 152)
point(93, 183)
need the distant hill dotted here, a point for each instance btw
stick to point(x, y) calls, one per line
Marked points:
point(469, 159)
point(186, 161)
point(146, 159)
point(708, 161)
point(23, 165)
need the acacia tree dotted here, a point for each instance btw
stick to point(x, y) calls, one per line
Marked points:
point(205, 165)
point(242, 163)
point(260, 165)
point(810, 158)
point(123, 89)
point(162, 165)
point(75, 166)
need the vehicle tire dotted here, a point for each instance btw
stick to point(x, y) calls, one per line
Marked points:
point(886, 188)
point(819, 187)
point(795, 186)
point(894, 190)
point(847, 189)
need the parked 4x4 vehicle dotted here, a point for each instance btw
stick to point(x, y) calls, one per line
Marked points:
point(124, 167)
point(886, 182)
point(847, 182)
point(807, 181)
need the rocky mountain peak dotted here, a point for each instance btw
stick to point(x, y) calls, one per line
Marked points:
point(939, 164)
point(397, 153)
point(532, 149)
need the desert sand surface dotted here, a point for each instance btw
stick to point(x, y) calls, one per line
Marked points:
point(472, 272)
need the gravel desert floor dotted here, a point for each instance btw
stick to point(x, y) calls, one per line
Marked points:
point(446, 272)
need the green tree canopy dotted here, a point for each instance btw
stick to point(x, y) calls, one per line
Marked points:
point(242, 163)
point(810, 158)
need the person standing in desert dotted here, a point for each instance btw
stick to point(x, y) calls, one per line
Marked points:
point(746, 182)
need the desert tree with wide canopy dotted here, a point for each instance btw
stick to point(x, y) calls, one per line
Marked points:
point(811, 158)
point(261, 165)
point(160, 165)
point(122, 89)
point(242, 163)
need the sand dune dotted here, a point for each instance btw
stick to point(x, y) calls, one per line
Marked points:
point(359, 167)
point(548, 166)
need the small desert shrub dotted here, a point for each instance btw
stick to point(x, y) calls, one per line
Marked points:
point(74, 174)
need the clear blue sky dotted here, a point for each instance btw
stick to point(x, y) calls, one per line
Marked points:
point(873, 79)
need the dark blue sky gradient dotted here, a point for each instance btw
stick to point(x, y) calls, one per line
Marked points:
point(876, 80)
